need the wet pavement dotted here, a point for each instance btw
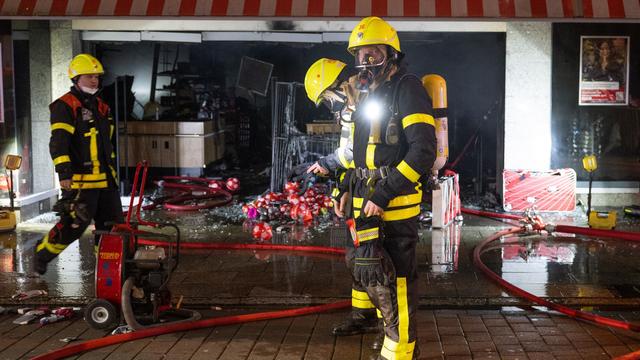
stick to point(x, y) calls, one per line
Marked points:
point(442, 334)
point(473, 318)
point(566, 269)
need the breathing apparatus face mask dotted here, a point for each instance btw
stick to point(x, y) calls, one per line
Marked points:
point(336, 100)
point(370, 61)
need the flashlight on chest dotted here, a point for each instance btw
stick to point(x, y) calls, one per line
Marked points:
point(373, 114)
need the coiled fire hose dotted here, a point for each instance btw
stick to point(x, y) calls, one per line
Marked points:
point(527, 228)
point(193, 197)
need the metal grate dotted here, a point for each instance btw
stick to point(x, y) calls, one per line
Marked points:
point(290, 146)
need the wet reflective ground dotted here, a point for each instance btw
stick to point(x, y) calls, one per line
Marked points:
point(442, 334)
point(571, 270)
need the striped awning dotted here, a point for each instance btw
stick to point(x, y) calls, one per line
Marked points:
point(490, 9)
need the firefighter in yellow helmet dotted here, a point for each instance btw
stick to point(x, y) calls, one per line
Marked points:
point(84, 158)
point(326, 83)
point(394, 144)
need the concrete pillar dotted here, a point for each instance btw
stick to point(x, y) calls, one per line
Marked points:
point(40, 87)
point(64, 45)
point(55, 44)
point(527, 128)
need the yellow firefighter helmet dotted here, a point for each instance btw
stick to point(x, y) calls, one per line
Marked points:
point(322, 74)
point(373, 31)
point(85, 64)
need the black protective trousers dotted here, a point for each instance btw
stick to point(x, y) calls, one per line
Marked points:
point(360, 302)
point(103, 206)
point(398, 302)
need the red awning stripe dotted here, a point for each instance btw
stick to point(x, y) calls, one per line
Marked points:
point(475, 8)
point(26, 7)
point(616, 9)
point(58, 8)
point(90, 8)
point(567, 8)
point(491, 9)
point(539, 8)
point(219, 7)
point(187, 8)
point(315, 8)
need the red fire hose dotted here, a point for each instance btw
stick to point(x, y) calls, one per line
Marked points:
point(208, 198)
point(622, 235)
point(234, 246)
point(536, 299)
point(491, 214)
point(602, 320)
point(184, 326)
point(630, 356)
point(226, 320)
point(117, 339)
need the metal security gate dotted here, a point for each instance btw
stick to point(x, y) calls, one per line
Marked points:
point(291, 147)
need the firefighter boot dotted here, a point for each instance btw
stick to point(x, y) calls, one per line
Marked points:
point(416, 354)
point(359, 322)
point(41, 267)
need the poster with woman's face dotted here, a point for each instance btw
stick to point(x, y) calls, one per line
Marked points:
point(604, 70)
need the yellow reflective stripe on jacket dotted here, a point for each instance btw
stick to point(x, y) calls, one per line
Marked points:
point(368, 234)
point(360, 300)
point(417, 119)
point(89, 177)
point(111, 128)
point(89, 185)
point(408, 172)
point(63, 126)
point(401, 214)
point(61, 159)
point(406, 200)
point(402, 200)
point(93, 149)
point(370, 156)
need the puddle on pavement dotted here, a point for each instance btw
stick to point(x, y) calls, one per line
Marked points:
point(554, 266)
point(567, 266)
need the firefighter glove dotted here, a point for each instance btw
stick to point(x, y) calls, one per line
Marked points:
point(372, 265)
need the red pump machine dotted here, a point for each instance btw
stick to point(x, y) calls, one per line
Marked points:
point(132, 279)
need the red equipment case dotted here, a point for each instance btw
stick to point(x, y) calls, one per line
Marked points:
point(548, 190)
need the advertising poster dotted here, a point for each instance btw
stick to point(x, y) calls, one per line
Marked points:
point(604, 70)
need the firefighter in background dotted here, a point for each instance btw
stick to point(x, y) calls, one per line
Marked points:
point(83, 154)
point(394, 145)
point(326, 83)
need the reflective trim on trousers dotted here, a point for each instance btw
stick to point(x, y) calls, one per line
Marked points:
point(360, 300)
point(52, 248)
point(403, 349)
